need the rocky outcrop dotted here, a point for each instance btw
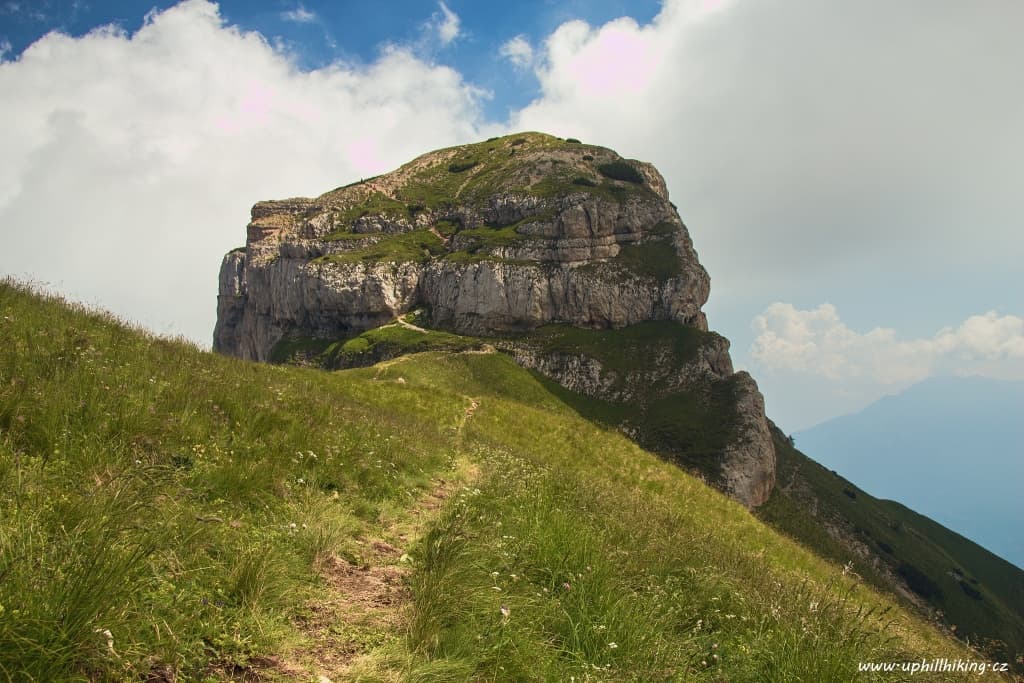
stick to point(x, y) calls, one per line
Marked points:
point(496, 238)
point(532, 233)
point(748, 462)
point(745, 468)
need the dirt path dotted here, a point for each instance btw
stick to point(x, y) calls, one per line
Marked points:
point(439, 236)
point(368, 601)
point(405, 323)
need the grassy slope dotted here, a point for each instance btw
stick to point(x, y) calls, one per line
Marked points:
point(150, 489)
point(690, 429)
point(988, 609)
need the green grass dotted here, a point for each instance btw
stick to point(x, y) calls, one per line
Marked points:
point(470, 178)
point(620, 170)
point(613, 565)
point(367, 348)
point(149, 489)
point(628, 349)
point(655, 258)
point(918, 548)
point(417, 246)
point(180, 500)
point(481, 170)
point(376, 204)
point(689, 427)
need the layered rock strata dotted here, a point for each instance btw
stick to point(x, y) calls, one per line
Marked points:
point(495, 239)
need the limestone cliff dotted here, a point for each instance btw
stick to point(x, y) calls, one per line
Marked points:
point(497, 239)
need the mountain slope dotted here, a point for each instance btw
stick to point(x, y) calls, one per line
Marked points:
point(932, 569)
point(168, 513)
point(528, 237)
point(947, 575)
point(940, 436)
point(570, 259)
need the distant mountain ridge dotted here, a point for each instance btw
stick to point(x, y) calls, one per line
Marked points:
point(951, 448)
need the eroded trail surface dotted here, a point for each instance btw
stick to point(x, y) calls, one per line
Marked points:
point(368, 600)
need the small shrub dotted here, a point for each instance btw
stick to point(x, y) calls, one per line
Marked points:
point(460, 166)
point(850, 494)
point(918, 581)
point(620, 170)
point(519, 141)
point(885, 547)
point(970, 590)
point(583, 180)
point(573, 141)
point(588, 157)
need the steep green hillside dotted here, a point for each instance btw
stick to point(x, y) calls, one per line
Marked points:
point(688, 425)
point(942, 574)
point(979, 593)
point(168, 514)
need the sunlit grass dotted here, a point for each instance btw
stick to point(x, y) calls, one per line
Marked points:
point(182, 502)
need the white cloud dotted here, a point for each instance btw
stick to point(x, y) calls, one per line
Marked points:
point(800, 141)
point(447, 25)
point(518, 51)
point(5, 48)
point(817, 342)
point(132, 171)
point(299, 15)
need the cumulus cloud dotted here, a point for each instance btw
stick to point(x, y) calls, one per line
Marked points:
point(802, 142)
point(518, 51)
point(131, 161)
point(446, 24)
point(299, 15)
point(5, 48)
point(818, 342)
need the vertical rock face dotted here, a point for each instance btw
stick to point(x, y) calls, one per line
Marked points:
point(748, 465)
point(497, 238)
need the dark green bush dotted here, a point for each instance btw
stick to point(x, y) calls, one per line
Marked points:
point(519, 141)
point(583, 180)
point(573, 141)
point(970, 590)
point(850, 494)
point(460, 166)
point(918, 581)
point(620, 170)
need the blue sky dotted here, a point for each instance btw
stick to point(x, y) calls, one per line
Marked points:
point(850, 172)
point(317, 33)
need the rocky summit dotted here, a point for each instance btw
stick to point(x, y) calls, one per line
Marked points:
point(509, 239)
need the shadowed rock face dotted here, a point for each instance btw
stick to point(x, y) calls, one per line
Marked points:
point(495, 238)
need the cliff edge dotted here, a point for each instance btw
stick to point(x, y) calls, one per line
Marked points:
point(509, 239)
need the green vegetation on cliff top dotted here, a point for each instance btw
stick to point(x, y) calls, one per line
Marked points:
point(447, 182)
point(170, 514)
